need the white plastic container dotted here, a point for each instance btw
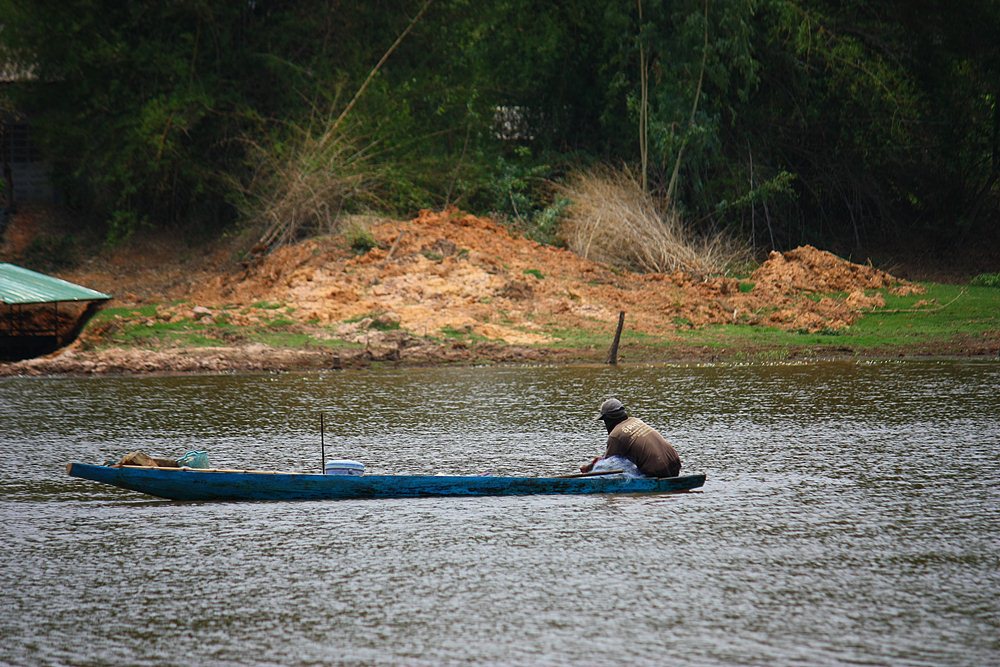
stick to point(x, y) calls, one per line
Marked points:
point(344, 467)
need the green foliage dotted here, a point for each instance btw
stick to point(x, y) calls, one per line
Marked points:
point(51, 252)
point(986, 280)
point(519, 190)
point(513, 189)
point(360, 240)
point(534, 272)
point(774, 189)
point(850, 99)
point(545, 223)
point(789, 121)
point(133, 97)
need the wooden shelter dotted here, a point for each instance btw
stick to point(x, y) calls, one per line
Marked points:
point(41, 313)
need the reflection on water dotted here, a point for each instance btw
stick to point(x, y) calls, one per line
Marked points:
point(850, 516)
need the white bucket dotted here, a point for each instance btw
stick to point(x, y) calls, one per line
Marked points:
point(344, 467)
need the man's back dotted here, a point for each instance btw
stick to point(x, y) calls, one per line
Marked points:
point(644, 446)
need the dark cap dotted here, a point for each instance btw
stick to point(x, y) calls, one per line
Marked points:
point(610, 407)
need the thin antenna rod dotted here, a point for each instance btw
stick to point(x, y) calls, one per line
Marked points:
point(322, 445)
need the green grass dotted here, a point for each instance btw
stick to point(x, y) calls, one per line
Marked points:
point(109, 314)
point(579, 339)
point(132, 330)
point(742, 335)
point(185, 333)
point(956, 310)
point(465, 335)
point(296, 341)
point(377, 321)
point(986, 280)
point(953, 311)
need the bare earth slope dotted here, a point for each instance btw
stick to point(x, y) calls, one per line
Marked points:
point(458, 271)
point(446, 272)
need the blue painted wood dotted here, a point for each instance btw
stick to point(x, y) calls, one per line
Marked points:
point(184, 484)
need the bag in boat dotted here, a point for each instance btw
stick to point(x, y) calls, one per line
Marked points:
point(194, 458)
point(628, 468)
point(344, 467)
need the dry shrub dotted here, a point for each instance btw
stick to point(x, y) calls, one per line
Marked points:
point(303, 186)
point(610, 219)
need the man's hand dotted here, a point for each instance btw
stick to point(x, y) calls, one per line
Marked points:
point(587, 467)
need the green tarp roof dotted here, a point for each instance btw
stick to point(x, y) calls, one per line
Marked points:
point(20, 285)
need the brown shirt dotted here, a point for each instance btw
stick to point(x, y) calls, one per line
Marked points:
point(645, 447)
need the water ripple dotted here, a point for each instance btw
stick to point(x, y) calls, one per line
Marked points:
point(850, 517)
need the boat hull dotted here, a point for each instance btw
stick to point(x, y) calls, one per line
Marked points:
point(192, 484)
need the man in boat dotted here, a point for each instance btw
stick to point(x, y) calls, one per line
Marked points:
point(633, 439)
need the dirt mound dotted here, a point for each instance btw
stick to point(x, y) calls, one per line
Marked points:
point(451, 271)
point(446, 271)
point(786, 280)
point(806, 269)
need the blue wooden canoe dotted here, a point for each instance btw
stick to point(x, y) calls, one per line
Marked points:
point(194, 484)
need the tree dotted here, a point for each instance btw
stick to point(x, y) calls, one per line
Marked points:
point(837, 123)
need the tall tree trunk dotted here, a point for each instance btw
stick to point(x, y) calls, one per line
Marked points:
point(643, 105)
point(694, 110)
point(996, 132)
point(371, 75)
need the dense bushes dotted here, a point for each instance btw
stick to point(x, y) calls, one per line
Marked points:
point(783, 121)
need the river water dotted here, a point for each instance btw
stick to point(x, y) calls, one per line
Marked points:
point(851, 516)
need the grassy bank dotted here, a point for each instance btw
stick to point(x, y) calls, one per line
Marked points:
point(142, 328)
point(946, 320)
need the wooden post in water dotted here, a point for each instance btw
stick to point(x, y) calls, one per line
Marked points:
point(613, 352)
point(322, 446)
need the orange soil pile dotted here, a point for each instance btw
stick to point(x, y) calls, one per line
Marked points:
point(454, 271)
point(451, 271)
point(807, 269)
point(786, 279)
